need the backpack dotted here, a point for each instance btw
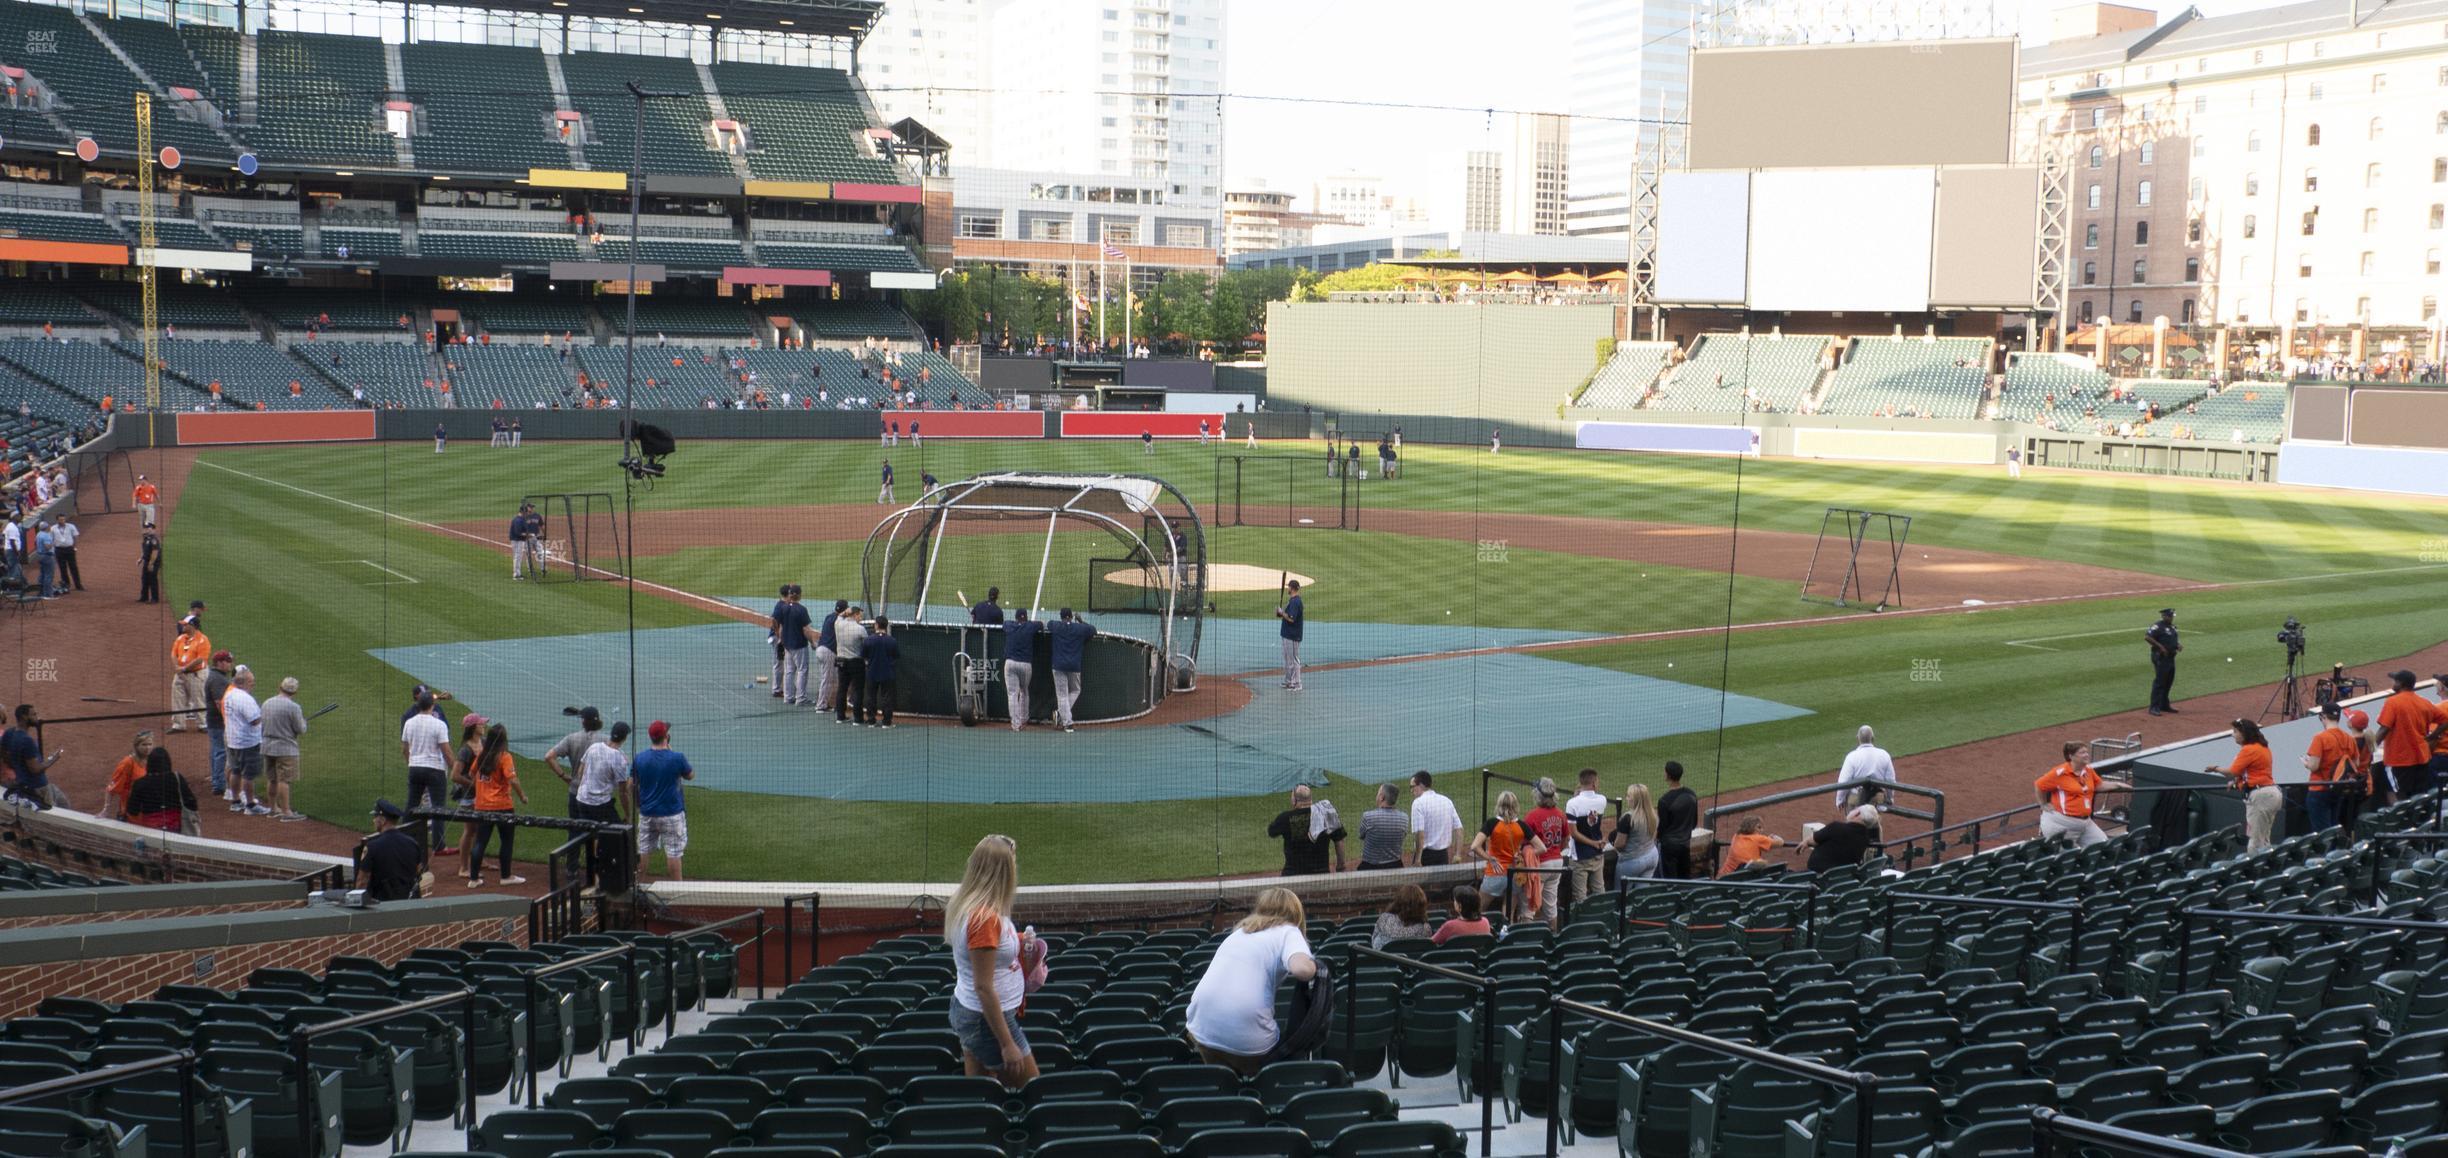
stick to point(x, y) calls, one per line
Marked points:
point(1312, 1015)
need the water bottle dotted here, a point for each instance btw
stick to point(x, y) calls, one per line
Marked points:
point(2396, 1148)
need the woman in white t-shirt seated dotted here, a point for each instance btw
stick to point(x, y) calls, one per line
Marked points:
point(988, 986)
point(1232, 1013)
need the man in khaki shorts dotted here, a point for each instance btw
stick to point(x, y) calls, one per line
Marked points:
point(283, 723)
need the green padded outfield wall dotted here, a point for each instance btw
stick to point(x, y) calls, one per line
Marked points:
point(1502, 362)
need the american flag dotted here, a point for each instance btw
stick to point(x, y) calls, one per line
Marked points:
point(1113, 251)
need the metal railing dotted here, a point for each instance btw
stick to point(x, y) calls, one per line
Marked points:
point(561, 911)
point(301, 1045)
point(2050, 1127)
point(184, 1061)
point(1935, 814)
point(533, 980)
point(1487, 1052)
point(757, 939)
point(2186, 917)
point(790, 933)
point(1810, 898)
point(2074, 937)
point(323, 879)
point(1864, 1086)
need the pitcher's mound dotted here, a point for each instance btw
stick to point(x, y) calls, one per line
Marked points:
point(1220, 577)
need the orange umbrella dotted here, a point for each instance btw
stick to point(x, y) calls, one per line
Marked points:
point(1613, 275)
point(1568, 277)
point(1515, 277)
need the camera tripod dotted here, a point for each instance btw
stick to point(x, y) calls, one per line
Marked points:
point(2286, 701)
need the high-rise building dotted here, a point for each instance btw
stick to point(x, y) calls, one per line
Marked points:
point(1536, 182)
point(1257, 219)
point(923, 60)
point(2264, 173)
point(1085, 88)
point(1482, 191)
point(1631, 67)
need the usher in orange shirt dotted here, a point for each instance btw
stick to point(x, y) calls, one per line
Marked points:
point(2408, 718)
point(2252, 766)
point(2070, 789)
point(187, 652)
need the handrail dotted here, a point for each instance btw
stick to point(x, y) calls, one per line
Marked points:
point(758, 940)
point(1863, 1085)
point(1937, 797)
point(1810, 903)
point(1487, 1052)
point(2074, 939)
point(2048, 1126)
point(1936, 836)
point(184, 1061)
point(302, 1038)
point(2185, 916)
point(327, 877)
point(790, 933)
point(530, 978)
point(1487, 774)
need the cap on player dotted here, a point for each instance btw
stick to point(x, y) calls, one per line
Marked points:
point(658, 731)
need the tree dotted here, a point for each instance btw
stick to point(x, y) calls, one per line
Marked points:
point(1177, 306)
point(953, 305)
point(1375, 277)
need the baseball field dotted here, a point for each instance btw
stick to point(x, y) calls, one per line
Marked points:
point(1530, 613)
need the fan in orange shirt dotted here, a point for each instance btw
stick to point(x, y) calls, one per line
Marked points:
point(2407, 723)
point(2068, 793)
point(2338, 768)
point(2250, 772)
point(1749, 844)
point(123, 778)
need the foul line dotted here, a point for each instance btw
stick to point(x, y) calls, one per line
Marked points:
point(729, 611)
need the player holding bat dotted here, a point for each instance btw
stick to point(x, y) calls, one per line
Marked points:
point(1294, 620)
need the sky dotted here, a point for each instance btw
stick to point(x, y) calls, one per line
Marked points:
point(1511, 56)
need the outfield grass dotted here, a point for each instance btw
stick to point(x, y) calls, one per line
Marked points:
point(304, 584)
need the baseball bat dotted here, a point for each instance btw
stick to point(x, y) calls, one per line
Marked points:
point(326, 710)
point(962, 595)
point(102, 700)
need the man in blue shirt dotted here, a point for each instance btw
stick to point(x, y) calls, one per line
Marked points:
point(1070, 649)
point(1295, 620)
point(773, 636)
point(654, 798)
point(828, 682)
point(441, 437)
point(44, 547)
point(791, 630)
point(988, 611)
point(28, 770)
point(1019, 663)
point(883, 654)
point(525, 528)
point(885, 494)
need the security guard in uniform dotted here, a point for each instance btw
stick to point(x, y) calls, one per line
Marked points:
point(2163, 644)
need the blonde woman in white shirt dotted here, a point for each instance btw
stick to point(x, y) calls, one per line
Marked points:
point(988, 987)
point(1232, 1012)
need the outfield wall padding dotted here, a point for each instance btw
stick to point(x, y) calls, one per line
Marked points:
point(1896, 445)
point(1131, 423)
point(276, 426)
point(972, 423)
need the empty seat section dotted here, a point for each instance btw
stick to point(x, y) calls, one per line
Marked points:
point(313, 103)
point(1625, 378)
point(1910, 378)
point(803, 124)
point(678, 137)
point(1726, 369)
point(503, 125)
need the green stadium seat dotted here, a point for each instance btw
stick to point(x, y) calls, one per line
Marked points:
point(1246, 1142)
point(535, 1133)
point(681, 1133)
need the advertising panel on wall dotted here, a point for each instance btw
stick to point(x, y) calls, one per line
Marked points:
point(1841, 239)
point(275, 426)
point(1897, 445)
point(1947, 102)
point(1704, 229)
point(1985, 244)
point(1667, 438)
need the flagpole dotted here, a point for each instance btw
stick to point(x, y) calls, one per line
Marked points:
point(1126, 307)
point(1100, 299)
point(1072, 308)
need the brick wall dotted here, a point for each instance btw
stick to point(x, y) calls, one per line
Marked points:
point(135, 976)
point(10, 923)
point(75, 842)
